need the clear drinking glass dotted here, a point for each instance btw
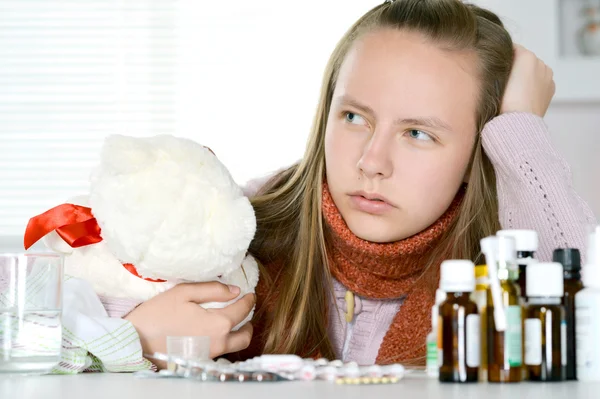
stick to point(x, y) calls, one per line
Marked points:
point(30, 312)
point(196, 348)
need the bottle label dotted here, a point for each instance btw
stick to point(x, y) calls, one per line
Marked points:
point(583, 335)
point(587, 331)
point(533, 342)
point(513, 336)
point(440, 356)
point(563, 342)
point(473, 340)
point(480, 299)
point(432, 357)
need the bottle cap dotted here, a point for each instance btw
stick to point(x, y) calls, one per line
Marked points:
point(590, 273)
point(526, 240)
point(590, 276)
point(569, 258)
point(545, 280)
point(457, 276)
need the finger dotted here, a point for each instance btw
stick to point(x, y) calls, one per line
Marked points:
point(522, 52)
point(237, 311)
point(549, 77)
point(206, 292)
point(549, 72)
point(239, 340)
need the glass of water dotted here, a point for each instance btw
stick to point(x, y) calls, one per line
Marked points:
point(30, 312)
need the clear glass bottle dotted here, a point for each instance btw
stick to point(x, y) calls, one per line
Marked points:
point(458, 324)
point(545, 325)
point(570, 259)
point(505, 342)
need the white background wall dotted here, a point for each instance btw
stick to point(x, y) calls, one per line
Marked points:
point(575, 130)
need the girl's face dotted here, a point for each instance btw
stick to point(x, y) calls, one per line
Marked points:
point(400, 133)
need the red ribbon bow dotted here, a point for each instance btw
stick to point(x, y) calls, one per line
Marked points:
point(75, 224)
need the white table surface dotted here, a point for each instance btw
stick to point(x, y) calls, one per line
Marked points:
point(114, 386)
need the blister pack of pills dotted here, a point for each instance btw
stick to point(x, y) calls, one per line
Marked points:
point(271, 368)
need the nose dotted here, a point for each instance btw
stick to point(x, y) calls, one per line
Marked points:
point(375, 162)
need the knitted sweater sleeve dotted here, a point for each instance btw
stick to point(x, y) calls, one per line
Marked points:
point(534, 183)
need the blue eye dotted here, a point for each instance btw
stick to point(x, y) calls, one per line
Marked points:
point(419, 135)
point(353, 118)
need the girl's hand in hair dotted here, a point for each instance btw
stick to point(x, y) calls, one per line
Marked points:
point(530, 86)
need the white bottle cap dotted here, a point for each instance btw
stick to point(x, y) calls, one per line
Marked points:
point(526, 240)
point(457, 276)
point(545, 280)
point(590, 272)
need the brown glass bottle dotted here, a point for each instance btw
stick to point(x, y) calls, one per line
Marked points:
point(545, 326)
point(505, 347)
point(459, 333)
point(545, 356)
point(570, 258)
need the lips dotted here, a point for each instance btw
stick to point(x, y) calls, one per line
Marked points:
point(373, 196)
point(372, 203)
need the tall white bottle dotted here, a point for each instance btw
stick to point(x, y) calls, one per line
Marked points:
point(587, 314)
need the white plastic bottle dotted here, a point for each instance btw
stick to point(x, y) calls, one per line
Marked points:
point(433, 366)
point(587, 314)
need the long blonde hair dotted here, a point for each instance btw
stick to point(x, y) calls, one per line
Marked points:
point(288, 208)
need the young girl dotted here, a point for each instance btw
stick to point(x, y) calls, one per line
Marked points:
point(424, 142)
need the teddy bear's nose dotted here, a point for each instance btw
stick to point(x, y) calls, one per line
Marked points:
point(219, 276)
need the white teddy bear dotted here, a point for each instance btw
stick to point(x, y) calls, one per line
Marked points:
point(161, 210)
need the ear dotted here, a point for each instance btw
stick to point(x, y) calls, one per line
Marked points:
point(124, 154)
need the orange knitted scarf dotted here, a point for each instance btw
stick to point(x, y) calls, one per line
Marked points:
point(389, 271)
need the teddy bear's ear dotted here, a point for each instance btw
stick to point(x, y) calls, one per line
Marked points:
point(124, 154)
